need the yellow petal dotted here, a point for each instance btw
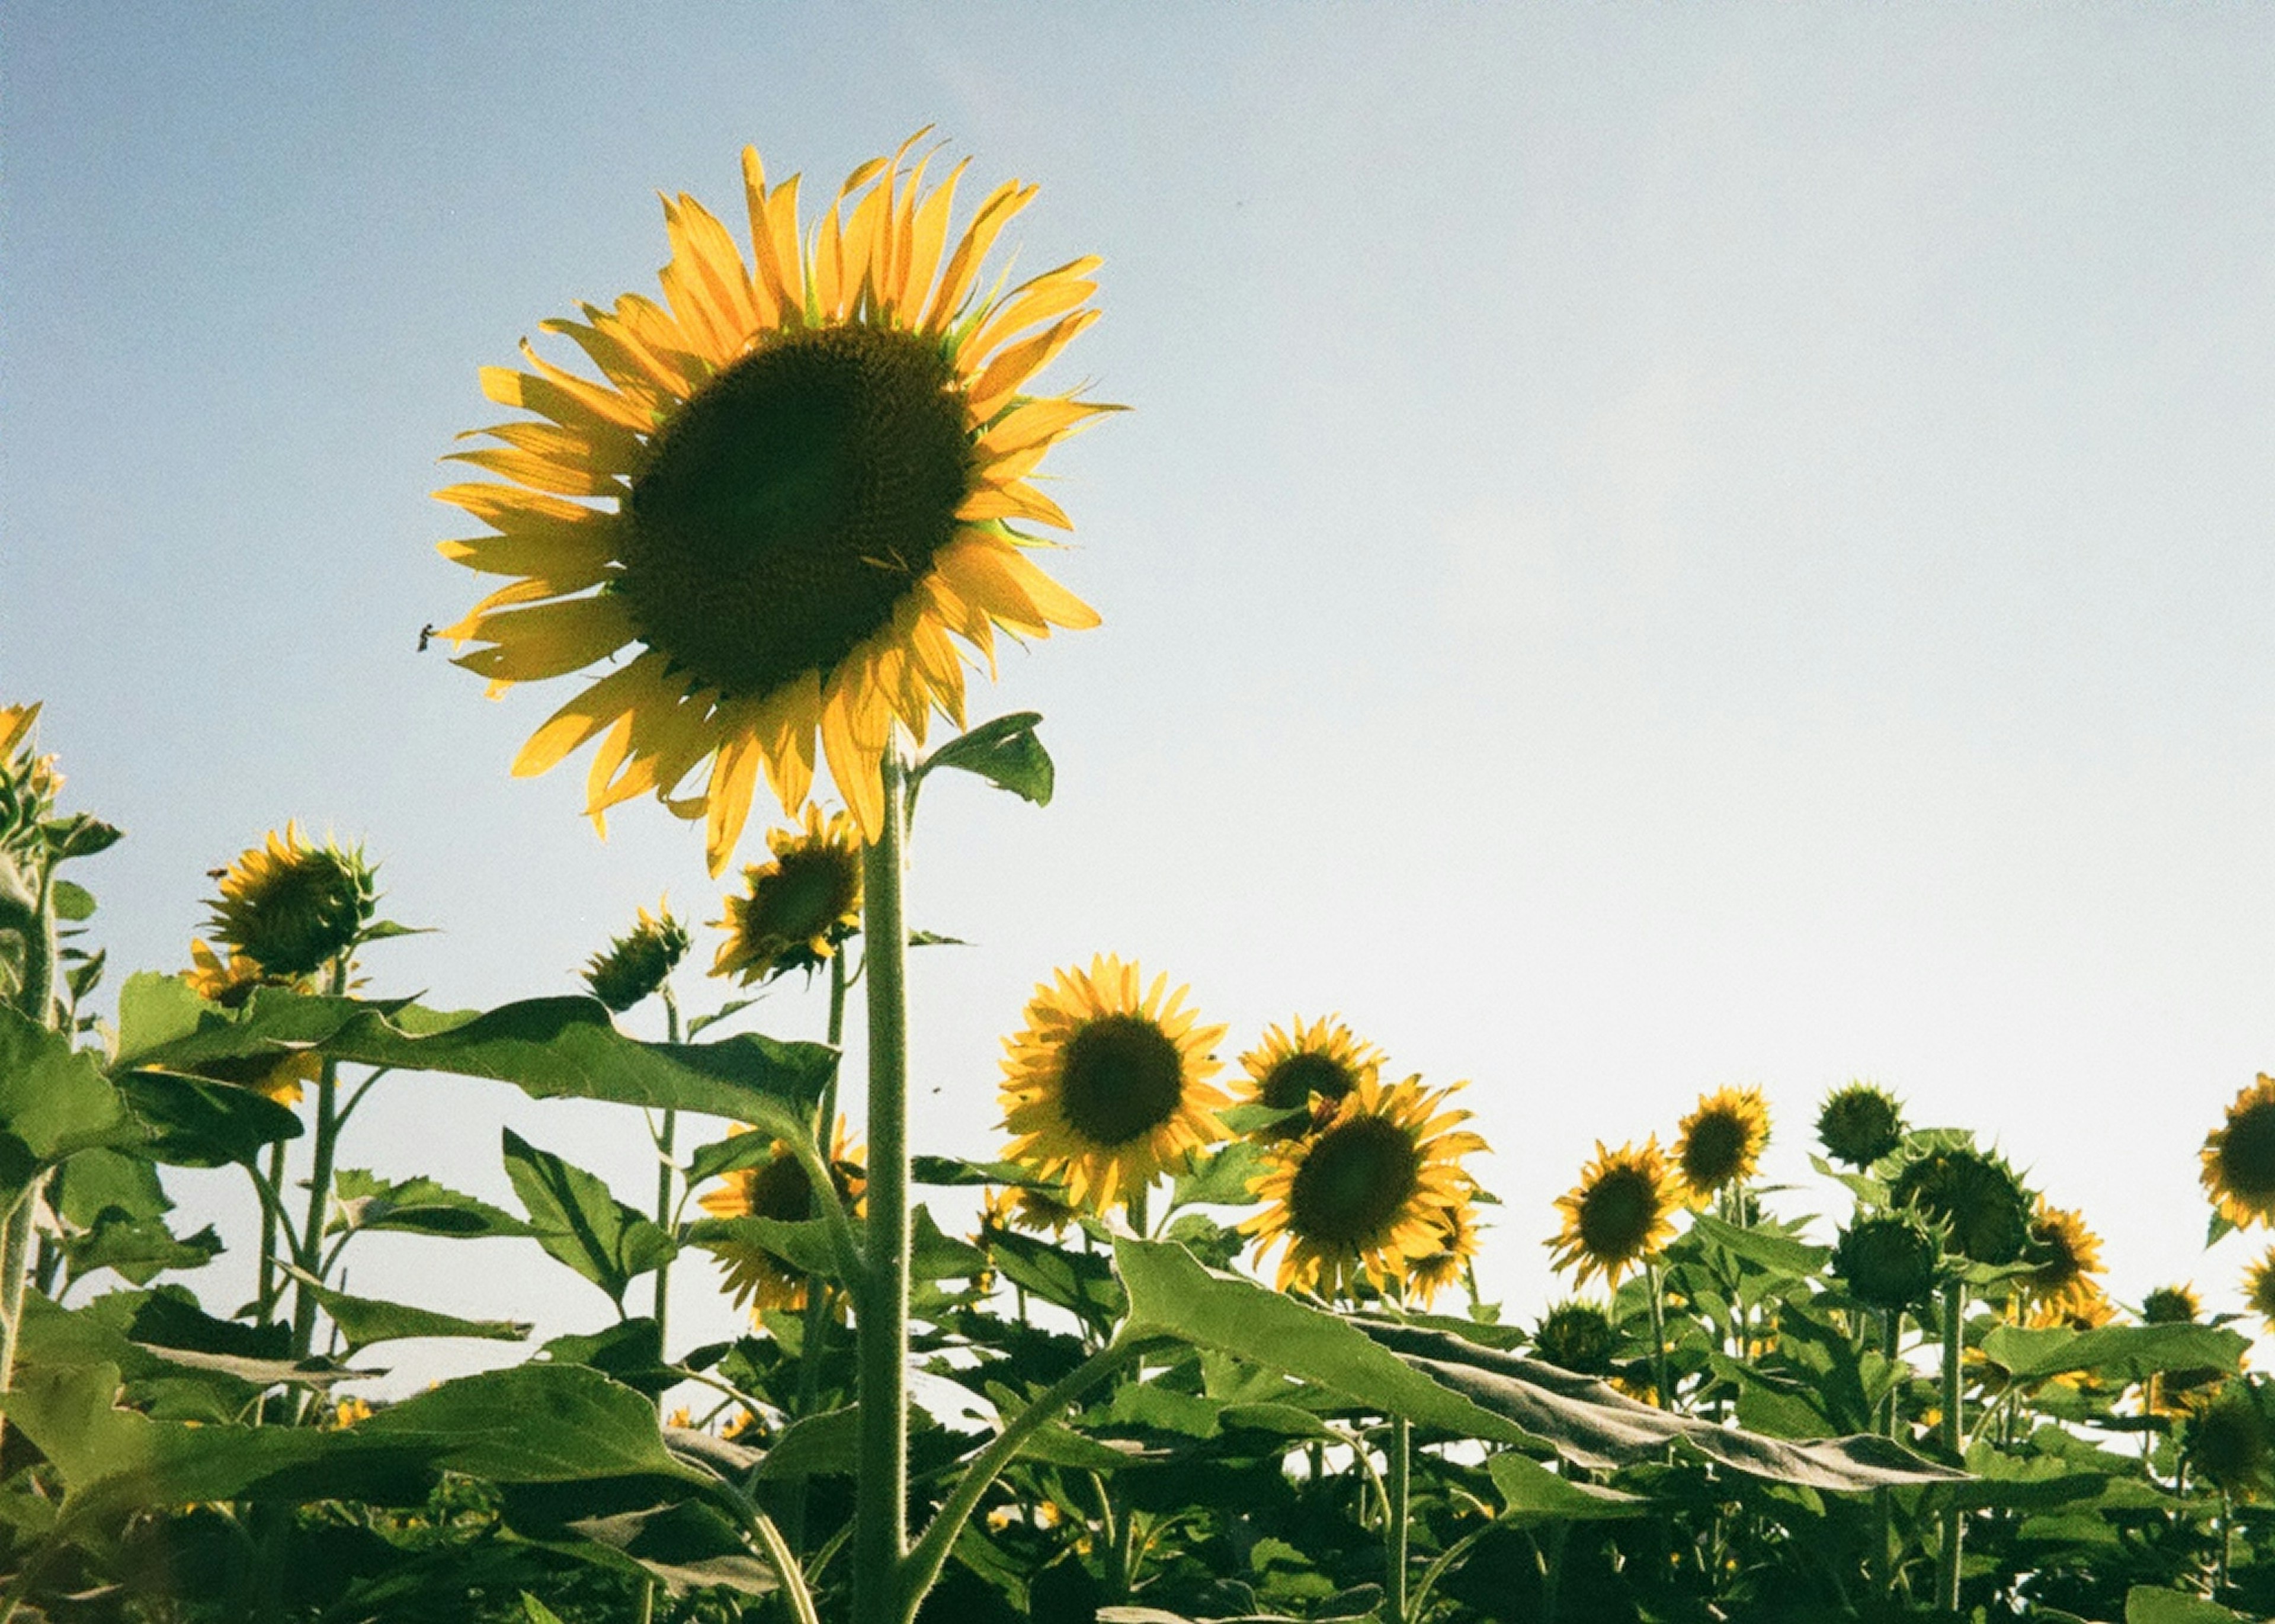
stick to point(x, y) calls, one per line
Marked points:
point(733, 774)
point(964, 265)
point(1041, 421)
point(926, 236)
point(1050, 294)
point(513, 510)
point(569, 728)
point(855, 772)
point(709, 250)
point(1013, 502)
point(552, 639)
point(583, 552)
point(1008, 370)
point(541, 474)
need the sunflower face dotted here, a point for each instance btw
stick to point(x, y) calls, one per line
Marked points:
point(1619, 1214)
point(1108, 1084)
point(795, 911)
point(1457, 1247)
point(2239, 1157)
point(2171, 1305)
point(1859, 1124)
point(1889, 1260)
point(635, 965)
point(292, 907)
point(777, 1188)
point(1322, 1062)
point(794, 483)
point(1374, 1192)
point(2063, 1283)
point(1974, 1197)
point(1578, 1337)
point(1721, 1142)
point(1018, 1206)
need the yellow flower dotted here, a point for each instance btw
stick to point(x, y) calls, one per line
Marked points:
point(2239, 1157)
point(292, 907)
point(232, 985)
point(1457, 1246)
point(1108, 1084)
point(1369, 1193)
point(349, 1409)
point(1016, 1206)
point(1321, 1061)
point(635, 965)
point(28, 783)
point(1721, 1142)
point(2172, 1305)
point(2062, 1287)
point(1620, 1213)
point(797, 908)
point(795, 485)
point(777, 1188)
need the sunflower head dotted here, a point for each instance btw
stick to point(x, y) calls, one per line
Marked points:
point(1020, 1207)
point(1973, 1195)
point(2068, 1257)
point(28, 781)
point(292, 907)
point(1577, 1336)
point(635, 963)
point(778, 1188)
point(1721, 1142)
point(798, 909)
point(2171, 1305)
point(2230, 1441)
point(1458, 1249)
point(1860, 1123)
point(1369, 1195)
point(1891, 1260)
point(1318, 1065)
point(794, 484)
point(231, 984)
point(2239, 1157)
point(1108, 1084)
point(1620, 1213)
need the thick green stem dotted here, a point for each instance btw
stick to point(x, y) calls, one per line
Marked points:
point(665, 1139)
point(1658, 1336)
point(266, 1292)
point(1954, 1523)
point(35, 999)
point(1891, 1325)
point(879, 1528)
point(1394, 1530)
point(311, 1249)
point(811, 1346)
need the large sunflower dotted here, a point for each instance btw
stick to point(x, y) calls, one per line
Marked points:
point(797, 910)
point(2239, 1157)
point(1322, 1062)
point(290, 906)
point(778, 1188)
point(1371, 1193)
point(798, 479)
point(1620, 1213)
point(1721, 1142)
point(1108, 1082)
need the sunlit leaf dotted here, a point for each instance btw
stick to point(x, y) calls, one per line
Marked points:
point(576, 1220)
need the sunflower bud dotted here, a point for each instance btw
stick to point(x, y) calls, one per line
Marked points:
point(292, 907)
point(1576, 1336)
point(1973, 1196)
point(2171, 1305)
point(1889, 1260)
point(635, 965)
point(1859, 1124)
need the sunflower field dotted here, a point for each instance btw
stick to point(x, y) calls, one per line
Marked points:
point(1205, 1340)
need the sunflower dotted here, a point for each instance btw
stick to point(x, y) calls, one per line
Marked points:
point(1721, 1142)
point(1302, 1064)
point(1889, 1260)
point(232, 985)
point(1621, 1212)
point(796, 481)
point(1973, 1195)
point(1370, 1192)
point(1020, 1207)
point(1860, 1123)
point(28, 784)
point(777, 1188)
point(292, 907)
point(2172, 1305)
point(2230, 1442)
point(1108, 1084)
point(797, 909)
point(635, 963)
point(1458, 1249)
point(2239, 1157)
point(1577, 1336)
point(2062, 1286)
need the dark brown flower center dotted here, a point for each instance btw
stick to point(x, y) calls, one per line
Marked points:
point(1714, 1149)
point(1355, 1180)
point(779, 1188)
point(810, 890)
point(2247, 1153)
point(1302, 1075)
point(789, 508)
point(1617, 1214)
point(1122, 1078)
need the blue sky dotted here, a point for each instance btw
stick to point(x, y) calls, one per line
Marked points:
point(1655, 547)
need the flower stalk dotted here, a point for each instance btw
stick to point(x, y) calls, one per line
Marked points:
point(1954, 1524)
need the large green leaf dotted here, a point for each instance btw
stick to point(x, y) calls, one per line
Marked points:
point(537, 1423)
point(2147, 1604)
point(418, 1205)
point(137, 1249)
point(365, 1322)
point(199, 1122)
point(576, 1219)
point(54, 1101)
point(1590, 1424)
point(1781, 1254)
point(2123, 1353)
point(1533, 1493)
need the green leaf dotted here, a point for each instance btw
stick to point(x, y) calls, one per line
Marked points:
point(934, 1256)
point(535, 1423)
point(1082, 1284)
point(199, 1122)
point(818, 1446)
point(1779, 1254)
point(630, 1351)
point(99, 1182)
point(140, 1249)
point(80, 837)
point(1533, 1493)
point(154, 1011)
point(2146, 1605)
point(576, 1220)
point(72, 901)
point(417, 1207)
point(803, 1245)
point(365, 1322)
point(387, 930)
point(54, 1101)
point(1004, 752)
point(955, 1170)
point(1221, 1180)
point(2126, 1353)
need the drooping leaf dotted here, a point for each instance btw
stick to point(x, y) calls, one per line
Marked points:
point(1530, 1492)
point(98, 1181)
point(54, 1101)
point(137, 1249)
point(418, 1205)
point(1779, 1254)
point(630, 1351)
point(1077, 1281)
point(2125, 1353)
point(198, 1123)
point(2147, 1604)
point(954, 1170)
point(79, 836)
point(1004, 752)
point(365, 1322)
point(576, 1220)
point(1221, 1180)
point(817, 1446)
point(536, 1423)
point(688, 1545)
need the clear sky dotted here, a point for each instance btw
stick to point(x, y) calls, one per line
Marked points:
point(1656, 546)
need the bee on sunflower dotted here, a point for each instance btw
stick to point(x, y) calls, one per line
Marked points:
point(1107, 1084)
point(231, 984)
point(1375, 1193)
point(779, 1188)
point(292, 907)
point(635, 965)
point(2239, 1157)
point(798, 909)
point(1620, 1214)
point(1719, 1146)
point(793, 488)
point(1319, 1064)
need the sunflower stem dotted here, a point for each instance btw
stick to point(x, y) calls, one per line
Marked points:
point(1656, 1294)
point(880, 1531)
point(811, 1346)
point(1954, 1526)
point(665, 1140)
point(265, 1296)
point(311, 1249)
point(35, 999)
point(1394, 1530)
